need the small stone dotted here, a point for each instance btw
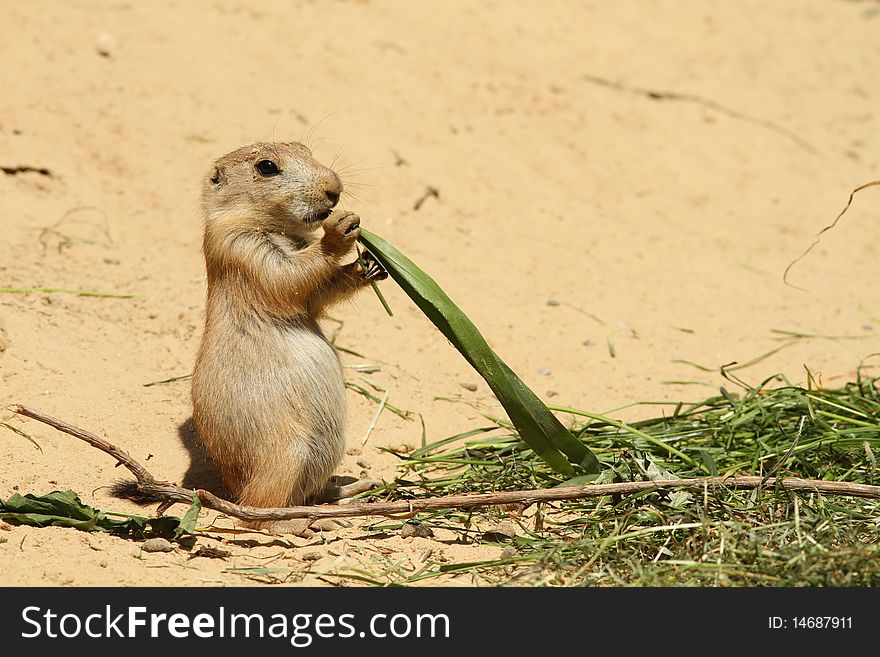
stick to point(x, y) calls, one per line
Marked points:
point(503, 531)
point(353, 451)
point(552, 302)
point(552, 393)
point(469, 386)
point(157, 545)
point(5, 526)
point(103, 563)
point(105, 44)
point(362, 463)
point(415, 529)
point(587, 343)
point(311, 556)
point(508, 553)
point(544, 371)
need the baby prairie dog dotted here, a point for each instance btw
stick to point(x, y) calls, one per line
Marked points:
point(267, 389)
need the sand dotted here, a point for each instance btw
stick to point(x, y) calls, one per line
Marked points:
point(649, 168)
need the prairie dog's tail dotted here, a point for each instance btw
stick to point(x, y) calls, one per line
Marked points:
point(128, 490)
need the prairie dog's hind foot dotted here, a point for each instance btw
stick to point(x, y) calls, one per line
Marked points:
point(305, 527)
point(297, 527)
point(338, 488)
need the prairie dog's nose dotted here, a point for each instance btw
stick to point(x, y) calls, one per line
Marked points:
point(332, 188)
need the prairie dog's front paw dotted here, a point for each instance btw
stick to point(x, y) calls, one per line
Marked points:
point(340, 232)
point(372, 270)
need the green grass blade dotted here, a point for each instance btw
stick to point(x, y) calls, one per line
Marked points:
point(536, 424)
point(79, 293)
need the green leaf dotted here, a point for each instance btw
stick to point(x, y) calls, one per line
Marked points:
point(536, 424)
point(188, 522)
point(65, 509)
point(64, 505)
point(581, 480)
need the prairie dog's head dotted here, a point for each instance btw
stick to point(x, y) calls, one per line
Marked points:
point(277, 186)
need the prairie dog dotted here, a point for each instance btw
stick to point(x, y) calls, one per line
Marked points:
point(267, 389)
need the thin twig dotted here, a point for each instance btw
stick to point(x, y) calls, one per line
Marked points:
point(139, 471)
point(824, 230)
point(183, 377)
point(429, 192)
point(408, 508)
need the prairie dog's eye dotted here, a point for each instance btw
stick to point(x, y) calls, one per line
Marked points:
point(267, 168)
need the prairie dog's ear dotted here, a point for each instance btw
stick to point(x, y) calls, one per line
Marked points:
point(218, 177)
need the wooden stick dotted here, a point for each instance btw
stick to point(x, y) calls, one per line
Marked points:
point(408, 508)
point(429, 192)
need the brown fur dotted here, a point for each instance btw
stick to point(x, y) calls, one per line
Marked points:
point(267, 390)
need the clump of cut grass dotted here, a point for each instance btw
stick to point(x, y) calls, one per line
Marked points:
point(719, 537)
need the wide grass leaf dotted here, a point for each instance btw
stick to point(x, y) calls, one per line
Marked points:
point(65, 509)
point(536, 424)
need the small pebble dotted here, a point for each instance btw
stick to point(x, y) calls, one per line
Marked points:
point(362, 463)
point(552, 302)
point(544, 371)
point(587, 343)
point(552, 393)
point(353, 451)
point(311, 556)
point(503, 531)
point(5, 526)
point(157, 545)
point(508, 553)
point(469, 386)
point(415, 529)
point(105, 44)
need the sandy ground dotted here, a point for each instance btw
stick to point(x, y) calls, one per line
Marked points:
point(659, 224)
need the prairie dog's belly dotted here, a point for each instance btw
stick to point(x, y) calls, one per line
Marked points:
point(264, 391)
